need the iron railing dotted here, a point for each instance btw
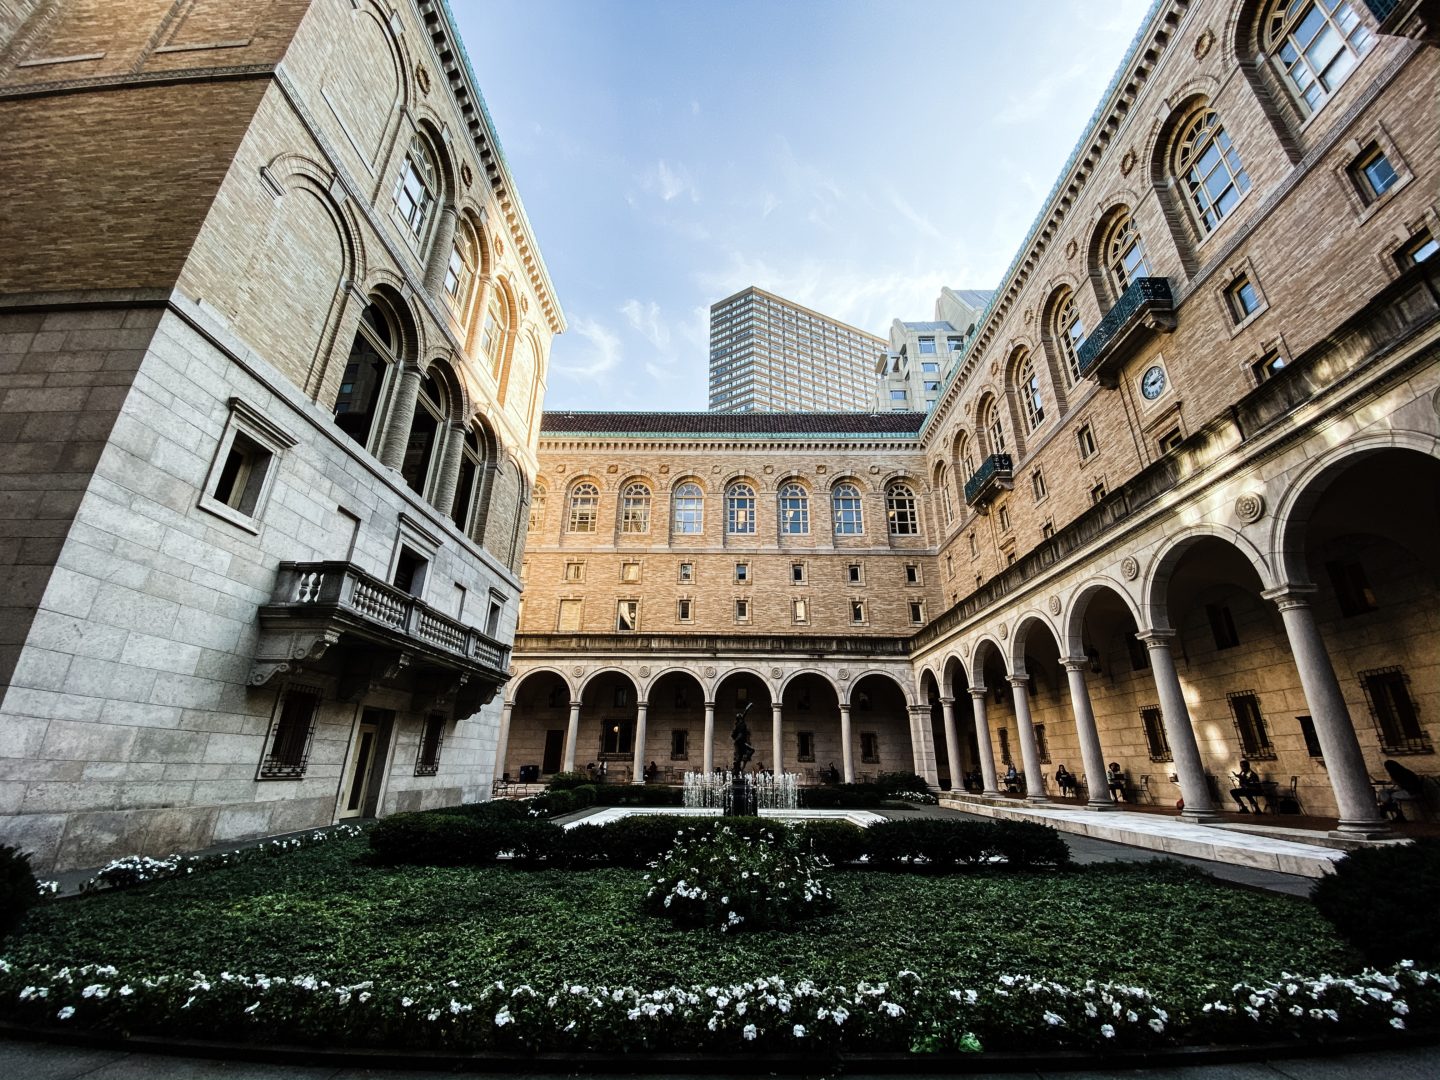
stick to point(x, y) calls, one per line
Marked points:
point(1144, 294)
point(993, 470)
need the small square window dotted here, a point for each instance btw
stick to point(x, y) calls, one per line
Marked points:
point(243, 474)
point(1003, 517)
point(1047, 530)
point(1085, 437)
point(630, 571)
point(1097, 493)
point(574, 571)
point(687, 572)
point(1419, 248)
point(627, 616)
point(684, 609)
point(912, 574)
point(1269, 365)
point(917, 612)
point(857, 611)
point(742, 571)
point(742, 610)
point(930, 367)
point(801, 609)
point(1244, 298)
point(1170, 440)
point(927, 346)
point(1037, 485)
point(410, 571)
point(244, 468)
point(853, 574)
point(797, 573)
point(1375, 173)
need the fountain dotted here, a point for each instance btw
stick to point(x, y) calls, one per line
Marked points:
point(763, 791)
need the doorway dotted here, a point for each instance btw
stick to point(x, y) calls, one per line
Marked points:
point(362, 783)
point(554, 751)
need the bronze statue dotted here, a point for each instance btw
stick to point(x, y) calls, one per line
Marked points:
point(740, 736)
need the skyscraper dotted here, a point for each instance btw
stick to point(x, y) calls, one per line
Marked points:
point(770, 355)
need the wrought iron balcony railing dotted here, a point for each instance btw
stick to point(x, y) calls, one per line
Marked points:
point(1144, 308)
point(992, 477)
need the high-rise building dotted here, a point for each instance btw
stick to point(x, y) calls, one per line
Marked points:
point(770, 355)
point(921, 354)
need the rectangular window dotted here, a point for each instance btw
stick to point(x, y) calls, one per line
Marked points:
point(244, 467)
point(1155, 741)
point(912, 574)
point(930, 367)
point(679, 745)
point(742, 571)
point(242, 475)
point(742, 610)
point(1222, 626)
point(1003, 517)
point(1004, 734)
point(950, 564)
point(1374, 173)
point(1037, 485)
point(857, 611)
point(1047, 529)
point(974, 545)
point(797, 573)
point(630, 571)
point(617, 738)
point(1268, 366)
point(427, 757)
point(955, 344)
point(870, 748)
point(410, 568)
point(1417, 249)
point(291, 734)
point(805, 746)
point(627, 615)
point(568, 619)
point(1085, 437)
point(932, 388)
point(1352, 588)
point(917, 612)
point(1042, 748)
point(801, 608)
point(687, 572)
point(1097, 493)
point(927, 346)
point(1388, 692)
point(1312, 740)
point(492, 618)
point(853, 574)
point(684, 609)
point(574, 571)
point(1250, 727)
point(1171, 440)
point(1244, 298)
point(899, 395)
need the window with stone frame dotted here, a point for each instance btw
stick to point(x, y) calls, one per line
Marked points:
point(994, 427)
point(1156, 741)
point(428, 423)
point(245, 466)
point(1042, 746)
point(369, 371)
point(537, 506)
point(679, 745)
point(460, 271)
point(917, 612)
point(942, 483)
point(740, 509)
point(794, 510)
point(1417, 249)
point(1028, 384)
point(1396, 715)
point(617, 738)
point(1250, 726)
point(804, 746)
point(292, 730)
point(688, 509)
point(427, 754)
point(1314, 44)
point(1311, 737)
point(494, 329)
point(849, 514)
point(900, 510)
point(870, 747)
point(418, 187)
point(463, 510)
point(1209, 170)
point(584, 508)
point(1004, 739)
point(1069, 334)
point(1124, 253)
point(635, 508)
point(627, 616)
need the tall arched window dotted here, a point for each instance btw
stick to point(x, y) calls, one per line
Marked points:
point(1027, 382)
point(460, 273)
point(1315, 44)
point(418, 186)
point(373, 357)
point(1208, 165)
point(942, 484)
point(794, 510)
point(1068, 332)
point(849, 514)
point(688, 509)
point(965, 456)
point(1124, 253)
point(467, 484)
point(584, 508)
point(425, 427)
point(537, 506)
point(994, 427)
point(492, 335)
point(740, 509)
point(900, 510)
point(635, 508)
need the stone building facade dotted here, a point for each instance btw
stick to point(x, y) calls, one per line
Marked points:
point(273, 336)
point(1175, 505)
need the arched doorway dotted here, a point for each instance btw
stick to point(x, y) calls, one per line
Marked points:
point(810, 711)
point(605, 737)
point(675, 725)
point(540, 713)
point(747, 692)
point(880, 726)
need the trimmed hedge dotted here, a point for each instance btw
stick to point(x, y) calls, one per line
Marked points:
point(1383, 901)
point(18, 893)
point(443, 838)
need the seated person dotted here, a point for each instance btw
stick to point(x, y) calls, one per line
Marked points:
point(1250, 787)
point(832, 774)
point(1012, 778)
point(1115, 780)
point(652, 773)
point(1066, 780)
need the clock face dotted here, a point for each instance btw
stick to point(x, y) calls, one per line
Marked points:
point(1152, 383)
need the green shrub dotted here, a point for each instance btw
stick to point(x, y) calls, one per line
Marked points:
point(640, 840)
point(1383, 901)
point(530, 843)
point(1025, 845)
point(18, 893)
point(837, 841)
point(841, 797)
point(584, 795)
point(433, 838)
point(490, 810)
point(564, 781)
point(893, 783)
point(556, 803)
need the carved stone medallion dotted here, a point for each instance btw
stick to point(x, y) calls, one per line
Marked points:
point(644, 672)
point(709, 673)
point(775, 673)
point(1127, 162)
point(1070, 249)
point(577, 671)
point(1204, 43)
point(1004, 631)
point(422, 78)
point(466, 176)
point(1250, 507)
point(1129, 568)
point(1054, 605)
point(844, 675)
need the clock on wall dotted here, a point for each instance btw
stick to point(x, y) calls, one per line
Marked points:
point(1152, 383)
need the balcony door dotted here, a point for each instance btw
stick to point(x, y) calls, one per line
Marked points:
point(360, 793)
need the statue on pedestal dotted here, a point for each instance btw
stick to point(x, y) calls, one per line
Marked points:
point(740, 736)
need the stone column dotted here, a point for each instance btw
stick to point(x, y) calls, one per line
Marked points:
point(637, 772)
point(777, 745)
point(572, 736)
point(1029, 755)
point(709, 737)
point(952, 745)
point(448, 473)
point(1092, 759)
point(982, 739)
point(922, 745)
point(1350, 779)
point(847, 753)
point(1199, 807)
point(397, 423)
point(502, 741)
point(440, 248)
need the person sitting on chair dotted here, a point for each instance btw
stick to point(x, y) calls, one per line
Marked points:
point(1012, 778)
point(1115, 780)
point(1250, 786)
point(1066, 780)
point(832, 774)
point(652, 773)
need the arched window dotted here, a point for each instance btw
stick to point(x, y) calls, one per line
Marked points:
point(492, 335)
point(1315, 44)
point(1208, 164)
point(849, 514)
point(688, 507)
point(1124, 253)
point(373, 357)
point(635, 508)
point(1068, 332)
point(740, 509)
point(418, 186)
point(584, 508)
point(537, 506)
point(942, 484)
point(994, 428)
point(460, 272)
point(425, 427)
point(900, 510)
point(1027, 382)
point(794, 510)
point(965, 456)
point(467, 484)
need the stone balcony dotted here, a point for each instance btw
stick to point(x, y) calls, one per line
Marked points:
point(1144, 309)
point(332, 618)
point(992, 477)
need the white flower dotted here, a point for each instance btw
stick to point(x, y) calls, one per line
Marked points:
point(503, 1017)
point(67, 1012)
point(252, 1008)
point(798, 1031)
point(1107, 1031)
point(749, 1032)
point(1397, 1023)
point(1157, 1024)
point(1053, 1018)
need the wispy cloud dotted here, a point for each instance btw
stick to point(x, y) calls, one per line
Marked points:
point(910, 214)
point(669, 182)
point(599, 354)
point(646, 319)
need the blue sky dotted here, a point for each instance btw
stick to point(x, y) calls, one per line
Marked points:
point(851, 155)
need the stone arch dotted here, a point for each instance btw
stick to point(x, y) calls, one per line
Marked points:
point(1156, 581)
point(1019, 637)
point(907, 692)
point(984, 646)
point(367, 95)
point(1073, 619)
point(951, 667)
point(730, 673)
point(458, 401)
point(1286, 541)
point(673, 669)
point(512, 694)
point(505, 347)
point(790, 677)
point(590, 677)
point(848, 478)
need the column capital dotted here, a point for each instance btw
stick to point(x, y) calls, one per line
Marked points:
point(978, 692)
point(775, 707)
point(710, 704)
point(1291, 594)
point(947, 701)
point(1071, 663)
point(642, 705)
point(1156, 638)
point(1019, 680)
point(844, 708)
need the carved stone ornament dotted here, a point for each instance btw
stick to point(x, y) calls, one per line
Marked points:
point(1204, 43)
point(577, 671)
point(1029, 316)
point(874, 470)
point(709, 673)
point(1070, 249)
point(769, 469)
point(524, 305)
point(1054, 605)
point(644, 672)
point(1250, 507)
point(1127, 162)
point(775, 673)
point(820, 469)
point(422, 78)
point(664, 470)
point(1004, 630)
point(612, 468)
point(965, 649)
point(843, 675)
point(499, 248)
point(467, 177)
point(1129, 568)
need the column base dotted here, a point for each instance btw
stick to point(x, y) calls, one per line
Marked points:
point(1102, 805)
point(1363, 830)
point(991, 793)
point(1037, 798)
point(1200, 817)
